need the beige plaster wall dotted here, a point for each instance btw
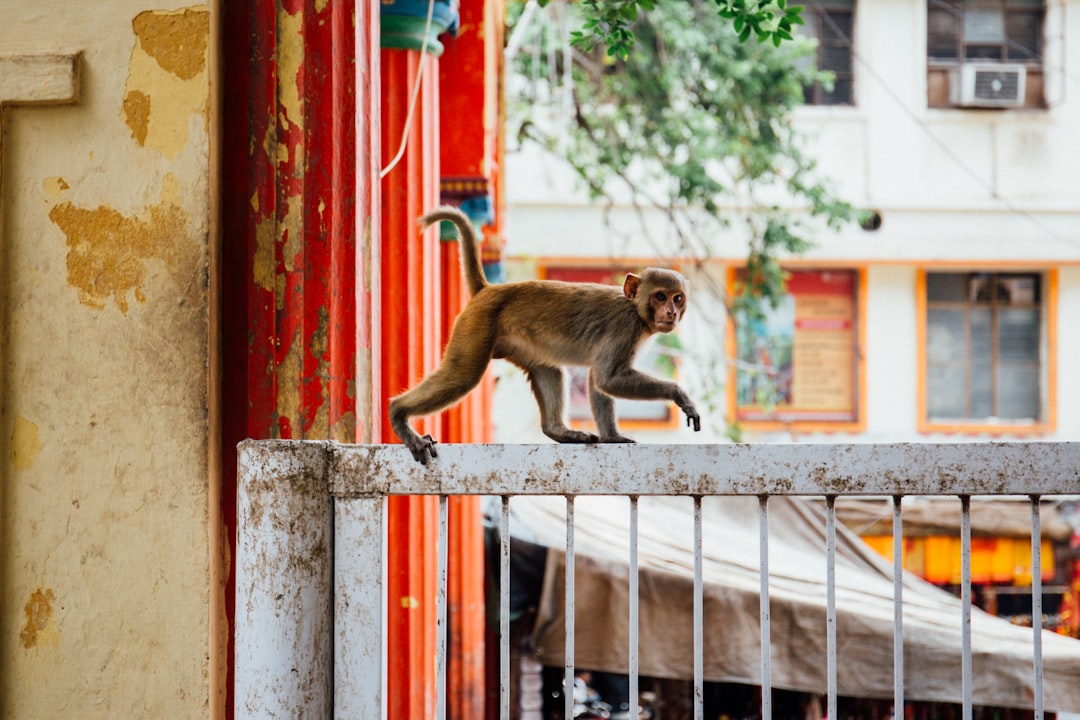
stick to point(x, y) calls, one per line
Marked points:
point(104, 326)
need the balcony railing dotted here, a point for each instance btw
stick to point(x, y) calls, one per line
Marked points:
point(311, 548)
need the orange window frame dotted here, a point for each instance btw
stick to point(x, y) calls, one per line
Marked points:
point(795, 424)
point(1046, 424)
point(606, 273)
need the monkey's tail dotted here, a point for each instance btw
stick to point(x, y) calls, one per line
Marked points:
point(470, 255)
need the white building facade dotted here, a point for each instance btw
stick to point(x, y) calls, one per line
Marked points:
point(954, 316)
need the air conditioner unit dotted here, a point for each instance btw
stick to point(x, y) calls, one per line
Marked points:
point(988, 85)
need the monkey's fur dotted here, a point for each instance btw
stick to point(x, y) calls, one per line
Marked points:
point(541, 325)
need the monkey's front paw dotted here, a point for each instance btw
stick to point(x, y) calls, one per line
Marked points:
point(423, 449)
point(692, 417)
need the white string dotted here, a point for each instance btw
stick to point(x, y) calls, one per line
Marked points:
point(415, 93)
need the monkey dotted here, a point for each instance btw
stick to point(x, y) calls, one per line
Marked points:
point(540, 326)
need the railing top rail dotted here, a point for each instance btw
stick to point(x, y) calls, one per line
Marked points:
point(1001, 468)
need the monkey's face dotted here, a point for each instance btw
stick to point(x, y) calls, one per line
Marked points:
point(666, 307)
point(665, 295)
point(659, 296)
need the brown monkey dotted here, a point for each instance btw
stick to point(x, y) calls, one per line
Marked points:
point(541, 325)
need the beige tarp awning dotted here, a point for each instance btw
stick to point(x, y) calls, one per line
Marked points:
point(1002, 653)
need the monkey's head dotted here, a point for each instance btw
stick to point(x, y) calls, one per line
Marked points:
point(659, 296)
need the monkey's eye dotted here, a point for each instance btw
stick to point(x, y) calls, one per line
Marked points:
point(678, 299)
point(661, 296)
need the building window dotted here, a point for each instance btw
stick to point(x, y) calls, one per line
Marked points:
point(799, 363)
point(832, 24)
point(985, 348)
point(985, 32)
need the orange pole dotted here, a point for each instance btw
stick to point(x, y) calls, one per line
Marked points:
point(470, 83)
point(410, 334)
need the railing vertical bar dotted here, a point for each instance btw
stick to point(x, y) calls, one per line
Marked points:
point(632, 695)
point(440, 609)
point(965, 600)
point(699, 617)
point(1037, 602)
point(568, 677)
point(504, 609)
point(359, 667)
point(830, 600)
point(285, 621)
point(898, 607)
point(766, 638)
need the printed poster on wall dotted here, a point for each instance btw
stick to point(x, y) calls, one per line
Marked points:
point(798, 361)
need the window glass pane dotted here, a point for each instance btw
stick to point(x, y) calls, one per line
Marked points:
point(837, 59)
point(809, 28)
point(981, 288)
point(836, 27)
point(839, 95)
point(946, 391)
point(982, 337)
point(1018, 392)
point(943, 33)
point(984, 25)
point(983, 52)
point(982, 369)
point(946, 287)
point(1018, 335)
point(945, 336)
point(1019, 289)
point(1022, 31)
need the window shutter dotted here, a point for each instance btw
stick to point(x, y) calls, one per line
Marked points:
point(1054, 53)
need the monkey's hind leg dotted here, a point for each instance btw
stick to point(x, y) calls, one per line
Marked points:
point(461, 370)
point(438, 390)
point(547, 387)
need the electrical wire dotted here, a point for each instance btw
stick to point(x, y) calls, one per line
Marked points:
point(415, 94)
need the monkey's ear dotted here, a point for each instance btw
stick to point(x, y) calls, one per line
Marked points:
point(630, 285)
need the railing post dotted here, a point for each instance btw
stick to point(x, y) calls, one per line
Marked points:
point(283, 581)
point(360, 607)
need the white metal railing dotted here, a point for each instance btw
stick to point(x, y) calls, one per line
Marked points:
point(310, 606)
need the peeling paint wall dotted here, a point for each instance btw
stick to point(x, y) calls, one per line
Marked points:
point(105, 237)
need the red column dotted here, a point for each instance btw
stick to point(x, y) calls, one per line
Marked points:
point(469, 79)
point(410, 334)
point(294, 285)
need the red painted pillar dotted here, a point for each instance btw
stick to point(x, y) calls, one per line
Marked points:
point(469, 103)
point(295, 285)
point(410, 339)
